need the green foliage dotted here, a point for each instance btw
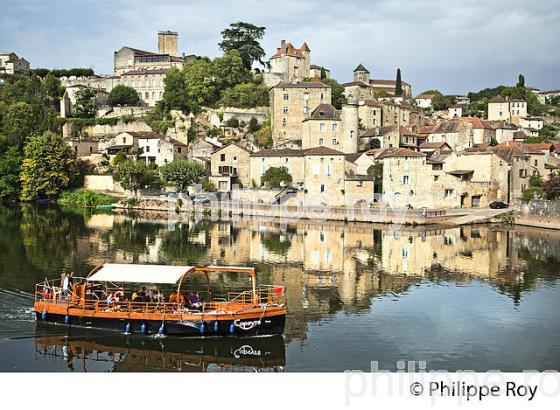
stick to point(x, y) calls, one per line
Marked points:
point(118, 158)
point(229, 70)
point(85, 199)
point(398, 84)
point(337, 92)
point(535, 181)
point(182, 173)
point(551, 187)
point(493, 141)
point(76, 72)
point(123, 96)
point(20, 122)
point(323, 73)
point(521, 81)
point(48, 167)
point(374, 144)
point(244, 38)
point(263, 137)
point(534, 106)
point(533, 140)
point(232, 122)
point(530, 194)
point(85, 103)
point(247, 95)
point(274, 177)
point(377, 171)
point(134, 175)
point(253, 125)
point(158, 121)
point(208, 186)
point(276, 243)
point(548, 132)
point(175, 91)
point(10, 167)
point(201, 89)
point(442, 102)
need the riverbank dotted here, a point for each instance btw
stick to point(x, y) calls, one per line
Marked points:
point(538, 213)
point(378, 214)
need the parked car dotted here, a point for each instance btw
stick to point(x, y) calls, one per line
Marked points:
point(202, 200)
point(498, 205)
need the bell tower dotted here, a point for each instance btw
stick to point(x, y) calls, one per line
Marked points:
point(168, 43)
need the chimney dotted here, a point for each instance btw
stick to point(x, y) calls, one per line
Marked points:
point(282, 43)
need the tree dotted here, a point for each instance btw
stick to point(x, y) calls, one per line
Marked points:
point(229, 70)
point(275, 177)
point(200, 87)
point(398, 84)
point(175, 91)
point(134, 175)
point(182, 172)
point(337, 92)
point(551, 187)
point(244, 37)
point(85, 103)
point(10, 167)
point(521, 81)
point(442, 102)
point(48, 167)
point(20, 123)
point(123, 96)
point(374, 143)
point(118, 158)
point(253, 125)
point(547, 132)
point(247, 95)
point(376, 171)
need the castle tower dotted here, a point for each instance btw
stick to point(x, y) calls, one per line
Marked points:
point(350, 128)
point(168, 43)
point(361, 74)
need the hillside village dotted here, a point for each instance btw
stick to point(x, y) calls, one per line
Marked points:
point(290, 129)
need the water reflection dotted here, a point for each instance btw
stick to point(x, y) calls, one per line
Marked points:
point(80, 350)
point(328, 268)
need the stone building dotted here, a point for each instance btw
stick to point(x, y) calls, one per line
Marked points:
point(424, 100)
point(316, 71)
point(290, 104)
point(10, 63)
point(148, 83)
point(468, 179)
point(363, 87)
point(289, 64)
point(230, 165)
point(68, 100)
point(167, 56)
point(500, 109)
point(370, 113)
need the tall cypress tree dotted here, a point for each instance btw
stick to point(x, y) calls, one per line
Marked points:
point(398, 84)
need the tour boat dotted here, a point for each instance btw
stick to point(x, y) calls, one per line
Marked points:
point(106, 299)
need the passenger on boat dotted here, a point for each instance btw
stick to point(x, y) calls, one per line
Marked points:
point(172, 297)
point(71, 282)
point(119, 294)
point(134, 296)
point(110, 299)
point(65, 285)
point(194, 300)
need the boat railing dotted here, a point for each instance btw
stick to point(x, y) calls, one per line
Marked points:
point(80, 298)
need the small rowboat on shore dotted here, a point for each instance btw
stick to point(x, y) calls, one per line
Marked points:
point(149, 299)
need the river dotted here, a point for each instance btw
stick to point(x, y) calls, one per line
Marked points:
point(464, 298)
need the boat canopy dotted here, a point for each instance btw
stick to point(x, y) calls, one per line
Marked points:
point(132, 273)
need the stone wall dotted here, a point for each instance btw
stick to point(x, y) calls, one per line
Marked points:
point(102, 183)
point(242, 114)
point(538, 212)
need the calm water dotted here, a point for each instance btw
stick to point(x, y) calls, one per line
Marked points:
point(478, 298)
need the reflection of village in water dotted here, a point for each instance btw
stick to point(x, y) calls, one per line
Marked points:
point(332, 267)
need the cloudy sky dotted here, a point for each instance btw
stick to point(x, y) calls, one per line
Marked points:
point(452, 45)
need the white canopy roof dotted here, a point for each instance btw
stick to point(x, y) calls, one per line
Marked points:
point(131, 273)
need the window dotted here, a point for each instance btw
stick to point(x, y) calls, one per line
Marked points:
point(147, 95)
point(405, 180)
point(285, 110)
point(320, 141)
point(448, 193)
point(334, 127)
point(286, 97)
point(536, 162)
point(305, 110)
point(222, 157)
point(334, 141)
point(179, 150)
point(306, 96)
point(147, 148)
point(436, 177)
point(322, 188)
point(322, 96)
point(328, 169)
point(322, 127)
point(284, 121)
point(522, 173)
point(90, 150)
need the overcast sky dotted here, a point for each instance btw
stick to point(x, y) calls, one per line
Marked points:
point(455, 46)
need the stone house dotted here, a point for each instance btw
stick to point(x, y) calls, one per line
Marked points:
point(230, 165)
point(364, 88)
point(468, 179)
point(326, 126)
point(482, 132)
point(84, 147)
point(148, 84)
point(315, 71)
point(203, 148)
point(289, 64)
point(531, 122)
point(458, 134)
point(68, 100)
point(290, 104)
point(500, 109)
point(159, 149)
point(504, 131)
point(370, 113)
point(168, 56)
point(10, 63)
point(424, 100)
